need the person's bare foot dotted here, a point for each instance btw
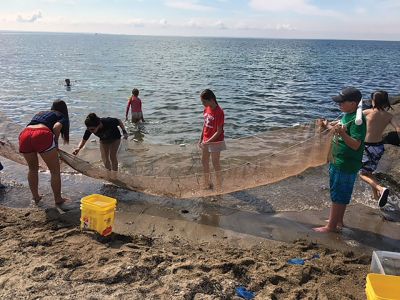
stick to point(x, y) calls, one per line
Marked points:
point(60, 201)
point(37, 199)
point(324, 229)
point(339, 226)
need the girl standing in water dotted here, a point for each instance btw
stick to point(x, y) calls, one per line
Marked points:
point(41, 136)
point(135, 104)
point(212, 138)
point(110, 138)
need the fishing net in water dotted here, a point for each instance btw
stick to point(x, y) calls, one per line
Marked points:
point(177, 171)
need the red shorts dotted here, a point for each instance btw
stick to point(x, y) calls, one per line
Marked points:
point(36, 140)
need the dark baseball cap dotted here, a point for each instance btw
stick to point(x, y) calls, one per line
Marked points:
point(348, 94)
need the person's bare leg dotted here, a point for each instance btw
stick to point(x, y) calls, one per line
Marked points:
point(205, 159)
point(33, 175)
point(53, 163)
point(215, 158)
point(341, 211)
point(340, 224)
point(105, 155)
point(371, 180)
point(335, 217)
point(113, 154)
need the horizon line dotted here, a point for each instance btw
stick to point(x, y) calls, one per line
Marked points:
point(194, 36)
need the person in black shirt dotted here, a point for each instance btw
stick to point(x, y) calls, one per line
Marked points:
point(110, 138)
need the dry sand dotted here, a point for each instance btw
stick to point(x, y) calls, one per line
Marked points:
point(42, 256)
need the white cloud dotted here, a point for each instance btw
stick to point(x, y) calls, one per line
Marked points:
point(32, 18)
point(193, 24)
point(261, 26)
point(287, 27)
point(203, 23)
point(146, 23)
point(296, 6)
point(242, 25)
point(219, 24)
point(137, 22)
point(188, 5)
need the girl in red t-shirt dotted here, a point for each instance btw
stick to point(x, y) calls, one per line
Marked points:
point(212, 137)
point(135, 104)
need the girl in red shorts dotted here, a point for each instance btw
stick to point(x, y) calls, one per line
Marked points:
point(41, 136)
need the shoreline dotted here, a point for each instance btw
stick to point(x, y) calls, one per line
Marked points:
point(250, 212)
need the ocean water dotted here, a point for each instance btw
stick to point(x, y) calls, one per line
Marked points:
point(260, 83)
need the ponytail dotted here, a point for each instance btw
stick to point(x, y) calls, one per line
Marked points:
point(61, 107)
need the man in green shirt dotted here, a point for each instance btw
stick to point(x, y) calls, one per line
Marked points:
point(347, 152)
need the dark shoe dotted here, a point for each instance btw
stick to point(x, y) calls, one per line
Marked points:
point(384, 197)
point(2, 186)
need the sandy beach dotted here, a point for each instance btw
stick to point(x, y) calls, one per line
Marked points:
point(173, 251)
point(43, 256)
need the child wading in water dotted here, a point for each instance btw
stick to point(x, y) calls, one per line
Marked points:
point(212, 137)
point(135, 104)
point(347, 151)
point(110, 138)
point(377, 120)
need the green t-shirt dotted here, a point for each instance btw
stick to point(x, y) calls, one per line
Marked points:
point(345, 158)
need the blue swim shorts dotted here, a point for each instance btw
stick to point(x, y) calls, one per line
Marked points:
point(341, 185)
point(371, 156)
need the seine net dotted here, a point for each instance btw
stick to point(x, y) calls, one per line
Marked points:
point(177, 170)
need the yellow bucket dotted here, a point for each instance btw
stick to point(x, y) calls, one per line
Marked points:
point(382, 287)
point(97, 213)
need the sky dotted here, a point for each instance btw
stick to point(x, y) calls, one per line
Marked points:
point(315, 19)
